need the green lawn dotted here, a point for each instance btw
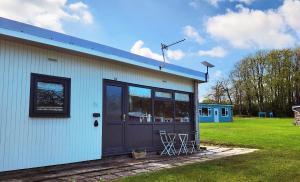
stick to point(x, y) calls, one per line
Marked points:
point(277, 160)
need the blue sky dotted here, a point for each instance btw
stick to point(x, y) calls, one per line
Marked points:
point(218, 31)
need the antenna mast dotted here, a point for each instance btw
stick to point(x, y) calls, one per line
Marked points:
point(165, 47)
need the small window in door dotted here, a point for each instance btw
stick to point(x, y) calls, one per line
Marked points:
point(114, 103)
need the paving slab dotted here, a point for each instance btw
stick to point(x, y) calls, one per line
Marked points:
point(125, 173)
point(119, 167)
point(154, 168)
point(140, 171)
point(109, 177)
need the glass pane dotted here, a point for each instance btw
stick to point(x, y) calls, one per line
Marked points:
point(140, 92)
point(163, 95)
point(49, 97)
point(182, 97)
point(182, 111)
point(140, 104)
point(206, 111)
point(224, 111)
point(113, 103)
point(163, 111)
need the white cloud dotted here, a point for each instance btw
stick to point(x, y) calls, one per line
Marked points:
point(290, 10)
point(82, 11)
point(214, 52)
point(194, 4)
point(48, 14)
point(243, 1)
point(249, 28)
point(214, 3)
point(217, 74)
point(175, 55)
point(191, 33)
point(138, 49)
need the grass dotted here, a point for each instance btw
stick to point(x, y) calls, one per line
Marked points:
point(277, 160)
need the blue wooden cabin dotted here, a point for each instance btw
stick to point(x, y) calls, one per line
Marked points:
point(215, 113)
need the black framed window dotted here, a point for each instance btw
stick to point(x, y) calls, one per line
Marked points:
point(224, 111)
point(49, 96)
point(182, 107)
point(140, 104)
point(163, 111)
point(165, 95)
point(205, 111)
point(149, 104)
point(163, 106)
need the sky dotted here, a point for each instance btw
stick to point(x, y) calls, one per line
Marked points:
point(221, 32)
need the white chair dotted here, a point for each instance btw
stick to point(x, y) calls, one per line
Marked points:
point(193, 143)
point(172, 137)
point(166, 143)
point(183, 140)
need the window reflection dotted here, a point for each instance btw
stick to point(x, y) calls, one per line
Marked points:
point(139, 104)
point(166, 95)
point(205, 111)
point(166, 107)
point(182, 97)
point(49, 97)
point(114, 103)
point(224, 111)
point(182, 107)
point(163, 111)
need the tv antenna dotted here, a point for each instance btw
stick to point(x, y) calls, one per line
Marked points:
point(165, 47)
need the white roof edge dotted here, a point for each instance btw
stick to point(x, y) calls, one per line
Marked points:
point(32, 38)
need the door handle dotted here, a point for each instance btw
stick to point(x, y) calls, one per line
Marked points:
point(124, 117)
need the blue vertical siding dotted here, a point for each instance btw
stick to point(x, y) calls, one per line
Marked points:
point(33, 142)
point(211, 117)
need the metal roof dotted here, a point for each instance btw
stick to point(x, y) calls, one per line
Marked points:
point(31, 33)
point(214, 104)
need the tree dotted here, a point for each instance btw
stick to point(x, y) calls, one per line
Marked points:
point(267, 81)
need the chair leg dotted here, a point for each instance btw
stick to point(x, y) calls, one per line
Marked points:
point(169, 149)
point(166, 150)
point(185, 149)
point(173, 149)
point(193, 147)
point(180, 150)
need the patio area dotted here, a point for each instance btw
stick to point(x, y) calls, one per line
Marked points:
point(118, 167)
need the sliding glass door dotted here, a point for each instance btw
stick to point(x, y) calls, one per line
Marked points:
point(134, 114)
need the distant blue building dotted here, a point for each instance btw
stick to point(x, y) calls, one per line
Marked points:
point(215, 113)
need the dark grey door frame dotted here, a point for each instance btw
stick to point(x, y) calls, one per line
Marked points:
point(126, 124)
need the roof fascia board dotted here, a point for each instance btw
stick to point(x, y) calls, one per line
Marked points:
point(71, 47)
point(216, 104)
